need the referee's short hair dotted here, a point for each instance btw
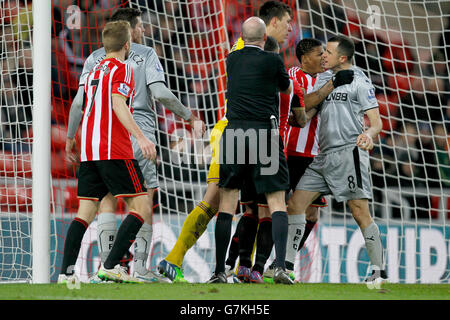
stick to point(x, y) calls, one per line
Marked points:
point(345, 47)
point(305, 46)
point(271, 44)
point(272, 9)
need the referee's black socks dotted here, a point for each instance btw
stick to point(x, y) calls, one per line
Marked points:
point(222, 236)
point(279, 236)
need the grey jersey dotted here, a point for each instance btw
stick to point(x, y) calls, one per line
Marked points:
point(342, 112)
point(147, 69)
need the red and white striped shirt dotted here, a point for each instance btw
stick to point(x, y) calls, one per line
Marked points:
point(103, 137)
point(303, 142)
point(285, 109)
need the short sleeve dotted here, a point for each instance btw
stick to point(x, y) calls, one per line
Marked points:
point(283, 77)
point(154, 71)
point(123, 81)
point(366, 95)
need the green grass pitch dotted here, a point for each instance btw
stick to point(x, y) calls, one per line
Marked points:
point(319, 291)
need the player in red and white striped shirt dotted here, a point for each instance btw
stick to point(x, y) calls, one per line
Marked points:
point(107, 160)
point(301, 139)
point(302, 143)
point(103, 137)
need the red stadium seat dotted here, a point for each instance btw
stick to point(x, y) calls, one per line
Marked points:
point(61, 168)
point(15, 199)
point(388, 110)
point(15, 165)
point(58, 136)
point(397, 58)
point(400, 82)
point(70, 199)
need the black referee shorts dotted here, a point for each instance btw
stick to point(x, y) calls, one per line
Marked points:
point(123, 178)
point(249, 151)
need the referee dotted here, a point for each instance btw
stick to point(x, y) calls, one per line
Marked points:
point(249, 148)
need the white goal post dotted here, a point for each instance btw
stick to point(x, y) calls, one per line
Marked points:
point(41, 160)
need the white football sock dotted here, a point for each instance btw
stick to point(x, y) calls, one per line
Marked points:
point(142, 248)
point(106, 233)
point(296, 229)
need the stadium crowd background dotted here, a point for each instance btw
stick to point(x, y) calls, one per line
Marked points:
point(413, 150)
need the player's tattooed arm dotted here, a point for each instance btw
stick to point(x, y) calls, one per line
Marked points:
point(313, 99)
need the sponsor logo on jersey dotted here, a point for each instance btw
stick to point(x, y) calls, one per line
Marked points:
point(371, 94)
point(124, 89)
point(337, 96)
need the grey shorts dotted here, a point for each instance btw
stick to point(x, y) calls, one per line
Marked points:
point(343, 173)
point(148, 167)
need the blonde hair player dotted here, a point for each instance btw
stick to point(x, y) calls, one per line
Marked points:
point(107, 159)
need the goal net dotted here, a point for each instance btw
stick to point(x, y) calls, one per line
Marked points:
point(400, 45)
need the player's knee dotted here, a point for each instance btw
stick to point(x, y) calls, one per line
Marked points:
point(141, 206)
point(360, 212)
point(87, 210)
point(294, 206)
point(312, 214)
point(212, 195)
point(264, 212)
point(108, 204)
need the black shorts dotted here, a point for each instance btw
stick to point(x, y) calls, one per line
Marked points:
point(254, 154)
point(297, 167)
point(249, 195)
point(123, 178)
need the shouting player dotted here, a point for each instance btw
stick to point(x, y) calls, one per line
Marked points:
point(342, 166)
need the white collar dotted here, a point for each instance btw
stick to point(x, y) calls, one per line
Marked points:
point(252, 46)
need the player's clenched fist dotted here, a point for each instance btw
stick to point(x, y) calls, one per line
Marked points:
point(364, 141)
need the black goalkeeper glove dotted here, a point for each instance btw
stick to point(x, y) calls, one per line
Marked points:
point(343, 77)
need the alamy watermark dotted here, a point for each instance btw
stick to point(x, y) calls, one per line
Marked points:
point(228, 146)
point(374, 19)
point(73, 20)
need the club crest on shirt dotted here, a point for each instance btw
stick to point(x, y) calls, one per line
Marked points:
point(124, 89)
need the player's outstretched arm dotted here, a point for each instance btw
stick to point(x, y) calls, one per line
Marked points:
point(161, 93)
point(126, 119)
point(75, 116)
point(340, 78)
point(365, 139)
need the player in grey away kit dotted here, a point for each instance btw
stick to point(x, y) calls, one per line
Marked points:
point(342, 166)
point(150, 81)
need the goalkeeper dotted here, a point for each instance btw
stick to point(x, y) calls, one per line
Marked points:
point(150, 81)
point(277, 17)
